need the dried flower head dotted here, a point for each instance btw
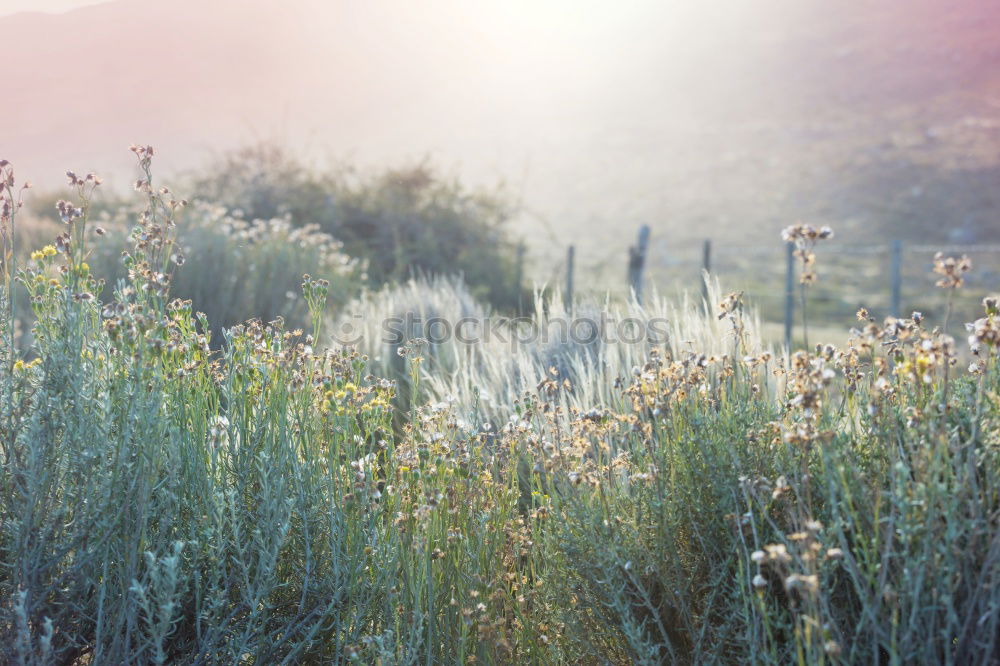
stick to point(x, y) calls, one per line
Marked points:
point(805, 237)
point(951, 270)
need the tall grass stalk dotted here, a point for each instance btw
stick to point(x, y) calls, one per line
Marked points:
point(507, 358)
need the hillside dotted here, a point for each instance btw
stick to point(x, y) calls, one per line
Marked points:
point(881, 118)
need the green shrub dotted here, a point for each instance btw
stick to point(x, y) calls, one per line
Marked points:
point(234, 270)
point(404, 222)
point(230, 268)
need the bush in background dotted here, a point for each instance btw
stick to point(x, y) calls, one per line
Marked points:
point(234, 269)
point(404, 222)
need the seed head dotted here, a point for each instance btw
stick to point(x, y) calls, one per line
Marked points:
point(951, 270)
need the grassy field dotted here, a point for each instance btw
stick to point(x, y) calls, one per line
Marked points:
point(167, 497)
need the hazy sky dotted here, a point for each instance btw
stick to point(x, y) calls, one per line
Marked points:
point(13, 6)
point(493, 88)
point(696, 116)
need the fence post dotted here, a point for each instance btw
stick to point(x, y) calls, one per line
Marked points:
point(706, 267)
point(637, 261)
point(789, 293)
point(896, 266)
point(568, 299)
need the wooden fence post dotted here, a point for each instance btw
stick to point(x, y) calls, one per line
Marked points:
point(896, 266)
point(789, 293)
point(637, 261)
point(706, 267)
point(568, 298)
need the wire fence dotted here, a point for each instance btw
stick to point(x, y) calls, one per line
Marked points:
point(892, 278)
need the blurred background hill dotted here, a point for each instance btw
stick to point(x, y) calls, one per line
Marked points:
point(727, 119)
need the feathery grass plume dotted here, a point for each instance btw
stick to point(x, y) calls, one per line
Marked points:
point(487, 364)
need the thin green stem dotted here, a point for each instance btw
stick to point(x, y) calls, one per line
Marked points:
point(805, 320)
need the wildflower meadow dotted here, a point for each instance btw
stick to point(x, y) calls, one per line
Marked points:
point(188, 488)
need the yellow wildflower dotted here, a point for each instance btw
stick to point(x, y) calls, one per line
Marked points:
point(20, 365)
point(47, 251)
point(923, 363)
